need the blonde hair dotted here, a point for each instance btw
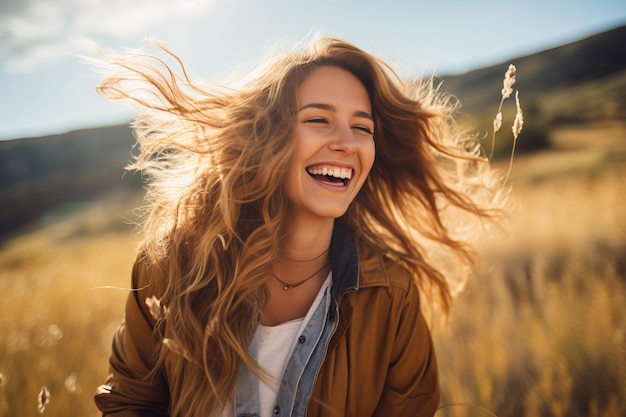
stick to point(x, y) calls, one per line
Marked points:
point(216, 159)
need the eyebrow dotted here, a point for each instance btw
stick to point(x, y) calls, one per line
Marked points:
point(330, 107)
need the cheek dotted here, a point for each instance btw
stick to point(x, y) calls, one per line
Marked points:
point(303, 146)
point(368, 157)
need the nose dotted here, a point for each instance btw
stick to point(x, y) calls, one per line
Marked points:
point(344, 140)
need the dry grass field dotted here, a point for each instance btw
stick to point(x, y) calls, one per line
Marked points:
point(539, 332)
point(57, 314)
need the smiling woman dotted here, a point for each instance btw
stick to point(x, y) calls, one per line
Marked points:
point(292, 274)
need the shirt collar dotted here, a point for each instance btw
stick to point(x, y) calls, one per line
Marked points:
point(344, 260)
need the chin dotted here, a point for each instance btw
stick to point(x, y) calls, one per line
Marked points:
point(331, 213)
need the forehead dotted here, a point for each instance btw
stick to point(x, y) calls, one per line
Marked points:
point(333, 85)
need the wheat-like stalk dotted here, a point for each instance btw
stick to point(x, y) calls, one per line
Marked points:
point(517, 129)
point(507, 90)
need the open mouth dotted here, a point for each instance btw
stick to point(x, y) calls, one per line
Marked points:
point(330, 175)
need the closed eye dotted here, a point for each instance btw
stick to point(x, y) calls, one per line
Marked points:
point(363, 129)
point(316, 120)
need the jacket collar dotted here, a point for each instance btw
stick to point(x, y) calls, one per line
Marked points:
point(344, 260)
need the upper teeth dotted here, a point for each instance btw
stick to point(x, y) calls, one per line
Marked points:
point(333, 172)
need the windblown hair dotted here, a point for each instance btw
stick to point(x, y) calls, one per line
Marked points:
point(216, 159)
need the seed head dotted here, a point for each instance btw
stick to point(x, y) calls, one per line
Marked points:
point(44, 399)
point(175, 348)
point(71, 383)
point(519, 118)
point(497, 122)
point(509, 80)
point(154, 305)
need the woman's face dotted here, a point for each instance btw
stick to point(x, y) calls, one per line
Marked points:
point(334, 144)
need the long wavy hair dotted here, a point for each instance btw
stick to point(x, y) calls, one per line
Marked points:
point(216, 159)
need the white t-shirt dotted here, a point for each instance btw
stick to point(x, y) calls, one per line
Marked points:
point(272, 355)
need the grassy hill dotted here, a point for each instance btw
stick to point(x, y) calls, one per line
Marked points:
point(59, 172)
point(578, 85)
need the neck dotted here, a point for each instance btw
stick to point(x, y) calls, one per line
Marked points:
point(306, 241)
point(297, 283)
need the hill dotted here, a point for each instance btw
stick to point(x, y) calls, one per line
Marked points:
point(572, 96)
point(578, 85)
point(45, 173)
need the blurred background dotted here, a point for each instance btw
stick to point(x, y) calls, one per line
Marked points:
point(539, 331)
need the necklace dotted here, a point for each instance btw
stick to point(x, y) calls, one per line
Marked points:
point(287, 286)
point(306, 260)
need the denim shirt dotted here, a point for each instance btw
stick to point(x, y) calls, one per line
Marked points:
point(308, 355)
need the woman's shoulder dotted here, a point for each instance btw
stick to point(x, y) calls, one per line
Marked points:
point(383, 270)
point(147, 288)
point(147, 274)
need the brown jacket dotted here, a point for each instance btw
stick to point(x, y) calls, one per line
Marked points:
point(380, 361)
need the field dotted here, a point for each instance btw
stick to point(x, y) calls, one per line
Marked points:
point(538, 332)
point(541, 331)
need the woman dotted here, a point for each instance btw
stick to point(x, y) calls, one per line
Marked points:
point(294, 234)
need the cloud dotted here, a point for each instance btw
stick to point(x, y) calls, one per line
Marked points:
point(33, 32)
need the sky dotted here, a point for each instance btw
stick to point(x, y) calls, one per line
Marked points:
point(45, 87)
